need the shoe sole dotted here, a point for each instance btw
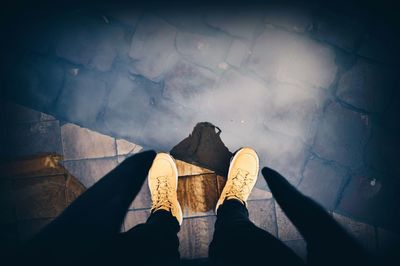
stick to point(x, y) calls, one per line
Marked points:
point(230, 168)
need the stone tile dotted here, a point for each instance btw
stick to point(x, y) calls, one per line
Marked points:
point(187, 169)
point(15, 113)
point(40, 36)
point(346, 131)
point(46, 117)
point(299, 247)
point(73, 189)
point(128, 95)
point(382, 149)
point(286, 230)
point(282, 153)
point(260, 193)
point(322, 182)
point(82, 97)
point(29, 228)
point(221, 181)
point(143, 198)
point(121, 158)
point(195, 237)
point(35, 81)
point(186, 82)
point(125, 14)
point(292, 18)
point(380, 43)
point(371, 197)
point(198, 194)
point(240, 22)
point(125, 147)
point(388, 244)
point(189, 18)
point(292, 59)
point(238, 53)
point(82, 143)
point(205, 50)
point(366, 86)
point(220, 109)
point(293, 110)
point(32, 138)
point(90, 171)
point(89, 42)
point(133, 218)
point(153, 47)
point(339, 30)
point(178, 119)
point(389, 121)
point(262, 214)
point(41, 197)
point(363, 233)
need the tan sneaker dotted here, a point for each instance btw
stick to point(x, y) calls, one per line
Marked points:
point(163, 185)
point(242, 176)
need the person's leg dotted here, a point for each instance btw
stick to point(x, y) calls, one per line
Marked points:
point(156, 241)
point(153, 243)
point(93, 218)
point(237, 241)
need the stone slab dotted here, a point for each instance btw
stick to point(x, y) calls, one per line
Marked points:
point(339, 30)
point(83, 143)
point(32, 138)
point(322, 182)
point(293, 18)
point(88, 172)
point(363, 233)
point(279, 55)
point(205, 50)
point(366, 86)
point(153, 47)
point(195, 236)
point(90, 42)
point(82, 97)
point(342, 135)
point(262, 214)
point(240, 22)
point(128, 95)
point(286, 230)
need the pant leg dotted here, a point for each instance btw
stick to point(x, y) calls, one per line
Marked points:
point(155, 242)
point(237, 241)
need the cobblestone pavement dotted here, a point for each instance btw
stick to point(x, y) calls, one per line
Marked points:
point(312, 90)
point(89, 155)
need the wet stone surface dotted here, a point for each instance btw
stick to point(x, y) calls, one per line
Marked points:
point(348, 141)
point(312, 90)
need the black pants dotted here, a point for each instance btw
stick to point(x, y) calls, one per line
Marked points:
point(87, 232)
point(237, 241)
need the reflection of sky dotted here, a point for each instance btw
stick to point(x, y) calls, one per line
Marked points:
point(150, 77)
point(264, 87)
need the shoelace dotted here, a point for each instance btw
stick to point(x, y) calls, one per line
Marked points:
point(240, 185)
point(162, 198)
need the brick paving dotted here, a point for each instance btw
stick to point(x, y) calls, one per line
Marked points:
point(311, 89)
